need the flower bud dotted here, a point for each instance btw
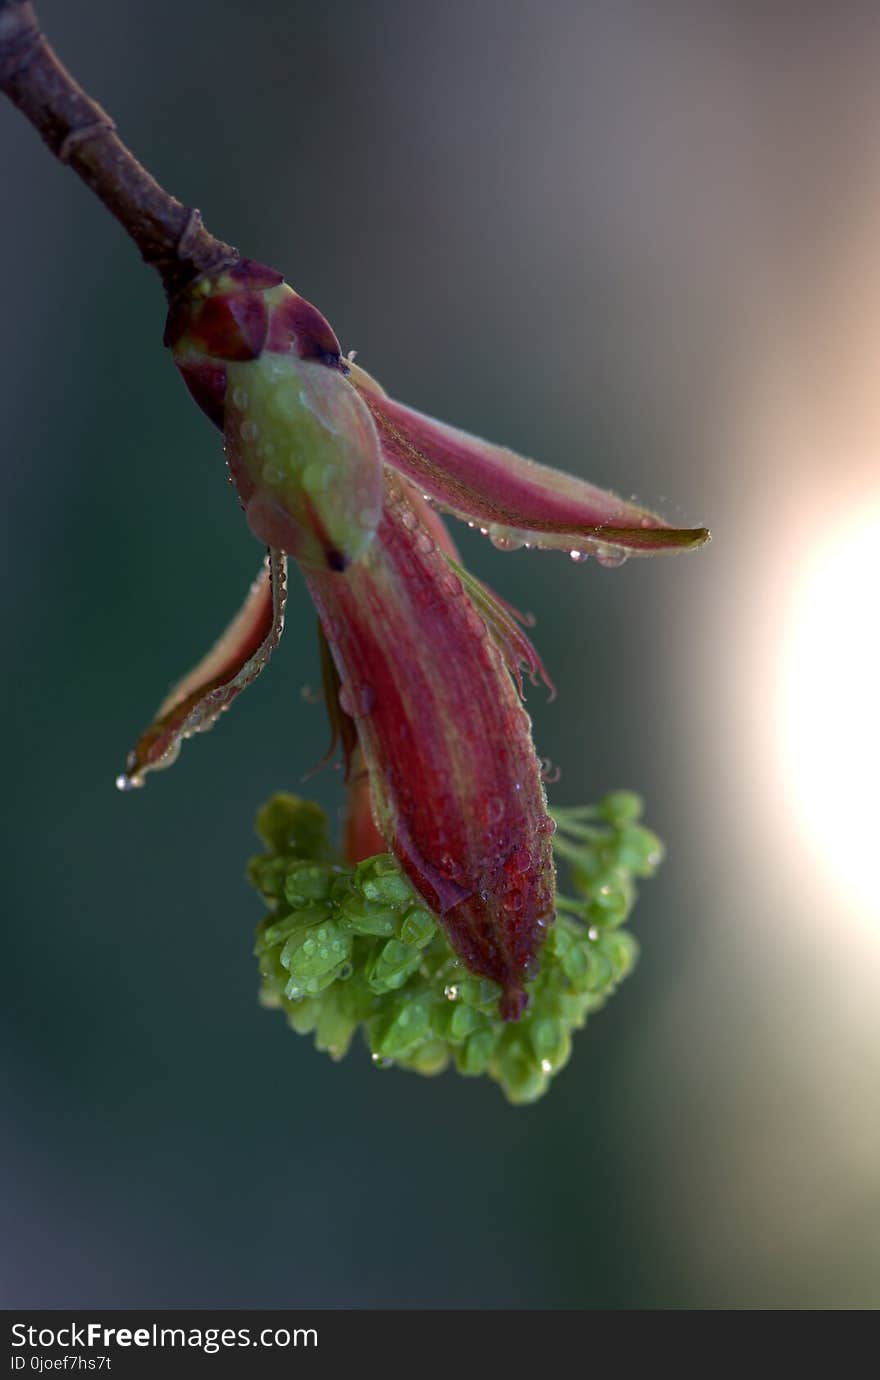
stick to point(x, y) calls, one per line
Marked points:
point(302, 447)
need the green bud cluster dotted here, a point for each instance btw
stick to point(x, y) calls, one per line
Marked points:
point(346, 948)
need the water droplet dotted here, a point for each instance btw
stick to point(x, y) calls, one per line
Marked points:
point(610, 557)
point(546, 826)
point(381, 1062)
point(450, 584)
point(450, 992)
point(579, 556)
point(546, 1066)
point(408, 519)
point(240, 397)
point(124, 782)
point(249, 430)
point(475, 624)
point(503, 541)
point(316, 477)
point(593, 933)
point(520, 860)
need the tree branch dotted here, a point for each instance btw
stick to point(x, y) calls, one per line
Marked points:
point(169, 235)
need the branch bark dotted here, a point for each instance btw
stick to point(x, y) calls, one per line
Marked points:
point(170, 236)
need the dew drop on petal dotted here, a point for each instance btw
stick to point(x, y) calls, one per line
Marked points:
point(520, 860)
point(424, 543)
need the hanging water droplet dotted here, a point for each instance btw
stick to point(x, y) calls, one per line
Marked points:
point(610, 557)
point(546, 1066)
point(579, 556)
point(504, 541)
point(124, 782)
point(450, 992)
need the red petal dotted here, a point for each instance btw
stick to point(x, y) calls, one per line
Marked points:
point(517, 502)
point(232, 663)
point(454, 778)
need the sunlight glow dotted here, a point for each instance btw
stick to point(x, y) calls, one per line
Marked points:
point(830, 711)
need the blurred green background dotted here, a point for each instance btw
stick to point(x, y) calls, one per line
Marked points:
point(639, 246)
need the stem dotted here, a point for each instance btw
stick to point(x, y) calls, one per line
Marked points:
point(170, 236)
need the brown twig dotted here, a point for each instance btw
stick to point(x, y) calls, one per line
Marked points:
point(169, 235)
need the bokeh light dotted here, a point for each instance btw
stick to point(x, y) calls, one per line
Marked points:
point(829, 705)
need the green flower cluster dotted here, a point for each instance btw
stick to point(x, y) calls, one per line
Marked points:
point(347, 947)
